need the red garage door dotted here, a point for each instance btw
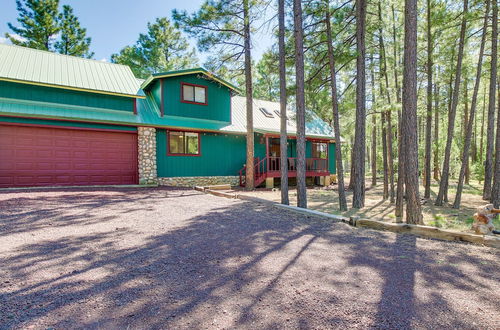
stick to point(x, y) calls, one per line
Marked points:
point(35, 156)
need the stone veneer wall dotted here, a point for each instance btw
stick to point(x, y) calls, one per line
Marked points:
point(192, 181)
point(146, 139)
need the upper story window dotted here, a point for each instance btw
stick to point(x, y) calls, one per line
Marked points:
point(183, 143)
point(195, 94)
point(319, 150)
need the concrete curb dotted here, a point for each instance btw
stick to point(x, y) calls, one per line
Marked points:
point(219, 193)
point(312, 212)
point(402, 228)
point(429, 232)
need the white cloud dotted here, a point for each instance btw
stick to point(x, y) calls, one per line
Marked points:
point(3, 40)
point(103, 59)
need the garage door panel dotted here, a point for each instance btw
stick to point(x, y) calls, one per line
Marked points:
point(34, 156)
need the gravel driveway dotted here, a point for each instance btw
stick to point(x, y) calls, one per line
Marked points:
point(174, 258)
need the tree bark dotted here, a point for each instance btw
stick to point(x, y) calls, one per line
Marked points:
point(483, 117)
point(465, 124)
point(495, 193)
point(400, 189)
point(283, 116)
point(358, 198)
point(428, 126)
point(488, 166)
point(374, 124)
point(443, 186)
point(384, 156)
point(409, 115)
point(436, 132)
point(388, 112)
point(335, 113)
point(249, 179)
point(395, 54)
point(301, 106)
point(468, 122)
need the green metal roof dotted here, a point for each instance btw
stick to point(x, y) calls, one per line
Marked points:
point(203, 71)
point(38, 67)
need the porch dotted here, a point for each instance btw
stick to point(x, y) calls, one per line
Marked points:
point(268, 167)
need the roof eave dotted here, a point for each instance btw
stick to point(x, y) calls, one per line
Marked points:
point(160, 75)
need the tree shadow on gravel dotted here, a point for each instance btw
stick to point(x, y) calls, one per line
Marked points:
point(235, 265)
point(24, 211)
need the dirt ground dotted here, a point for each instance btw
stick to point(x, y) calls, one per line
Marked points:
point(325, 199)
point(179, 259)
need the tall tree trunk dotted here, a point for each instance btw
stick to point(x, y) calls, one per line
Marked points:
point(384, 155)
point(400, 189)
point(301, 105)
point(488, 166)
point(395, 54)
point(388, 112)
point(358, 198)
point(409, 115)
point(436, 132)
point(470, 121)
point(495, 192)
point(400, 183)
point(335, 113)
point(249, 179)
point(483, 117)
point(374, 150)
point(283, 116)
point(465, 124)
point(428, 126)
point(445, 173)
point(374, 124)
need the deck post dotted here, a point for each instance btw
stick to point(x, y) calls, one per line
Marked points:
point(267, 154)
point(327, 181)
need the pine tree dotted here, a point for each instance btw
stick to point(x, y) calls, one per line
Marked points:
point(39, 21)
point(301, 107)
point(335, 112)
point(358, 175)
point(223, 27)
point(73, 40)
point(443, 185)
point(409, 115)
point(283, 119)
point(162, 48)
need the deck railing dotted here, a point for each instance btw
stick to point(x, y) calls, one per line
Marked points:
point(312, 164)
point(270, 166)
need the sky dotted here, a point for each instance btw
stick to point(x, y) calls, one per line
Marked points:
point(114, 24)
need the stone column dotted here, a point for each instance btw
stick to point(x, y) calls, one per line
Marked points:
point(146, 139)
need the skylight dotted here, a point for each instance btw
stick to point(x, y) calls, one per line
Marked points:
point(277, 112)
point(266, 113)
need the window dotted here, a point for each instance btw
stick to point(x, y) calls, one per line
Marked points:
point(194, 94)
point(319, 150)
point(266, 113)
point(183, 143)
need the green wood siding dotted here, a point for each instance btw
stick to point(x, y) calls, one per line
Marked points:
point(156, 92)
point(331, 158)
point(65, 123)
point(62, 96)
point(221, 155)
point(218, 99)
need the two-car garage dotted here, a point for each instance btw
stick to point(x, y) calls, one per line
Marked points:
point(49, 156)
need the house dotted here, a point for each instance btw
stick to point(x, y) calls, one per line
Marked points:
point(72, 121)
